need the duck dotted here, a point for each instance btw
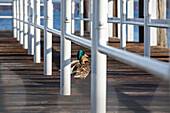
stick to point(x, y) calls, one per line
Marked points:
point(81, 69)
point(80, 53)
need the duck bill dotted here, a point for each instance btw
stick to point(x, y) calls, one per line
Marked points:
point(86, 55)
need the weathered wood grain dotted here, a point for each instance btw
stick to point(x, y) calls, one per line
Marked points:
point(24, 88)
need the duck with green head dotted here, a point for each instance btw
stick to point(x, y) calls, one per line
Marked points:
point(81, 69)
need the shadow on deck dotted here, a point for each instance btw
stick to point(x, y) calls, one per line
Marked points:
point(24, 89)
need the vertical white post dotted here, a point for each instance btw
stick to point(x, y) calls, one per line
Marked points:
point(81, 17)
point(72, 17)
point(122, 26)
point(18, 31)
point(146, 29)
point(37, 39)
point(29, 26)
point(48, 22)
point(91, 18)
point(118, 15)
point(168, 31)
point(98, 76)
point(25, 26)
point(21, 23)
point(130, 14)
point(110, 14)
point(65, 58)
point(153, 15)
point(31, 29)
point(14, 19)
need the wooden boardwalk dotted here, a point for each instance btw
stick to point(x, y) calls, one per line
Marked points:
point(24, 89)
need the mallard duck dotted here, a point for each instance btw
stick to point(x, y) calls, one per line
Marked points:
point(81, 69)
point(79, 55)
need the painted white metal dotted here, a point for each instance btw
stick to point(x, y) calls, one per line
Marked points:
point(31, 36)
point(14, 20)
point(122, 26)
point(5, 4)
point(152, 66)
point(29, 26)
point(48, 22)
point(110, 14)
point(98, 68)
point(21, 23)
point(41, 4)
point(140, 22)
point(149, 65)
point(72, 17)
point(130, 14)
point(25, 26)
point(80, 41)
point(153, 15)
point(146, 29)
point(18, 31)
point(81, 18)
point(65, 58)
point(6, 17)
point(37, 38)
point(91, 18)
point(118, 15)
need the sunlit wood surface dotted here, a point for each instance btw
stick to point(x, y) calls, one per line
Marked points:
point(24, 88)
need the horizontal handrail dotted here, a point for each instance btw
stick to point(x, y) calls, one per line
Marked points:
point(5, 4)
point(79, 40)
point(1, 17)
point(85, 19)
point(152, 66)
point(162, 23)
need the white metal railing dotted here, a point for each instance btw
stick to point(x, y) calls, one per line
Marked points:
point(98, 44)
point(6, 4)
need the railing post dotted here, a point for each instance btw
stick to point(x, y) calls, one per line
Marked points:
point(72, 17)
point(118, 15)
point(14, 19)
point(146, 29)
point(18, 31)
point(154, 15)
point(48, 22)
point(25, 26)
point(21, 23)
point(31, 28)
point(130, 14)
point(91, 18)
point(122, 26)
point(98, 68)
point(110, 15)
point(81, 17)
point(65, 58)
point(37, 39)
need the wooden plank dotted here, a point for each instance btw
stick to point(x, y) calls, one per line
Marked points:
point(24, 88)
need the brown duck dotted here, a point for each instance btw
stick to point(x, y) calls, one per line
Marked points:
point(81, 70)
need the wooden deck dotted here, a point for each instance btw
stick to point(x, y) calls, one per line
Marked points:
point(24, 89)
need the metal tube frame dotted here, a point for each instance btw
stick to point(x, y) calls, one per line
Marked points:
point(18, 30)
point(81, 12)
point(14, 20)
point(98, 66)
point(100, 49)
point(31, 35)
point(72, 16)
point(37, 38)
point(65, 53)
point(21, 23)
point(48, 22)
point(25, 26)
